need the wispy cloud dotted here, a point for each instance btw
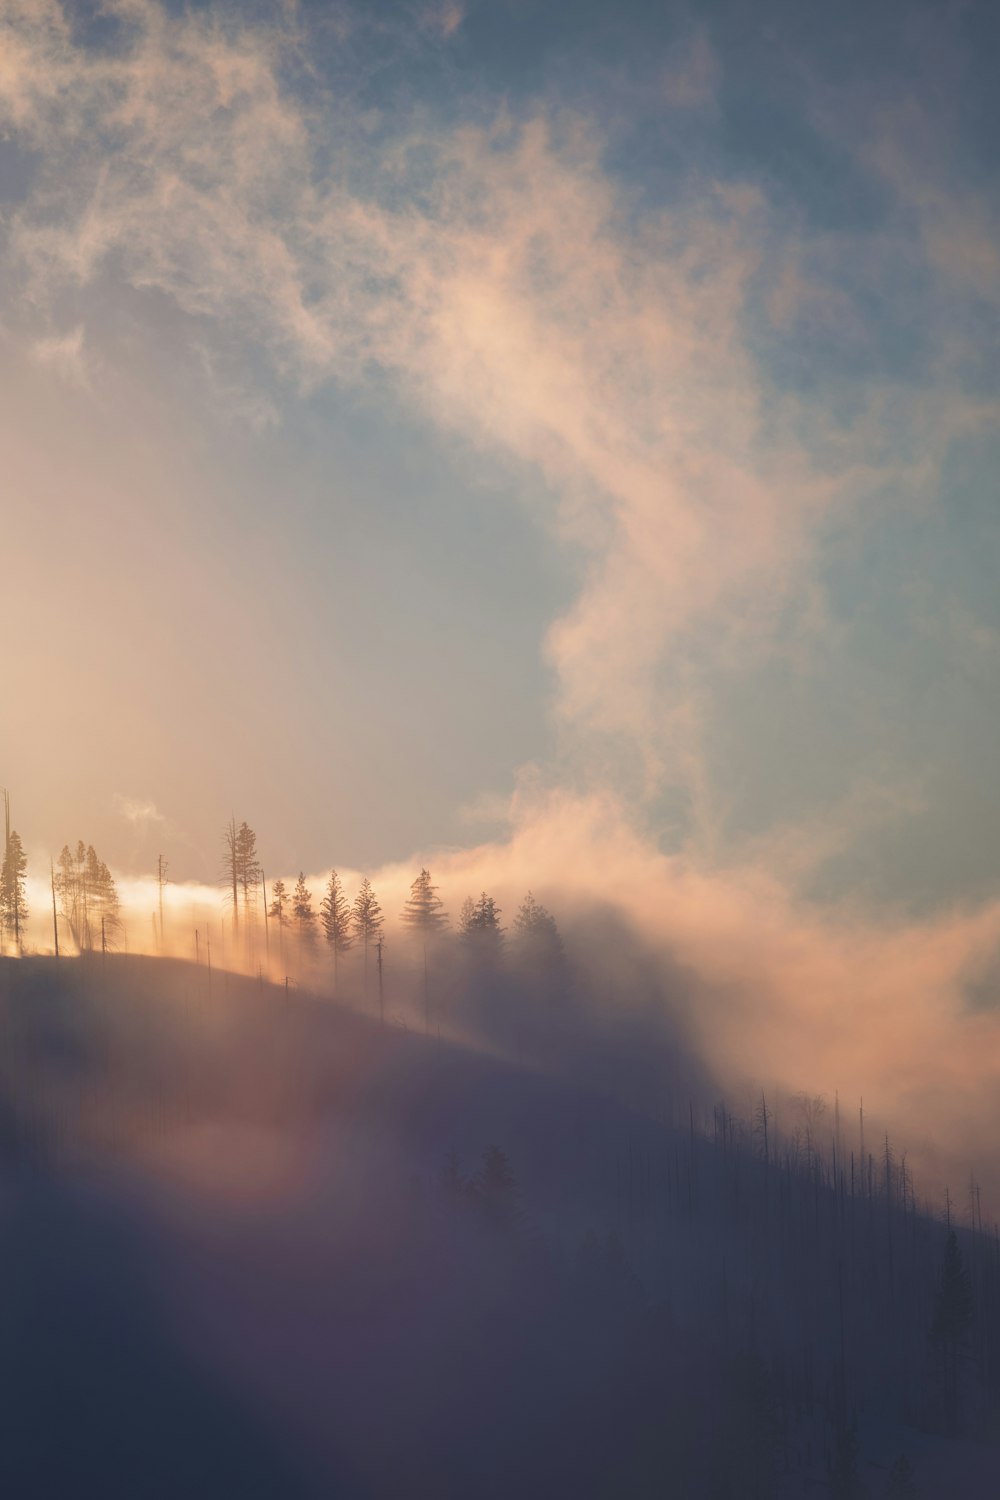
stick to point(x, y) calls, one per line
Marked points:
point(513, 292)
point(65, 354)
point(141, 813)
point(504, 283)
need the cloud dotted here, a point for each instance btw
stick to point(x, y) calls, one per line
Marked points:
point(140, 813)
point(690, 79)
point(65, 355)
point(503, 282)
point(515, 294)
point(445, 18)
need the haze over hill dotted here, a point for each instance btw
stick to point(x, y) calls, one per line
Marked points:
point(500, 535)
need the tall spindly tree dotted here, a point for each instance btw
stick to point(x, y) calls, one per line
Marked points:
point(367, 920)
point(425, 916)
point(303, 916)
point(280, 911)
point(240, 866)
point(248, 868)
point(13, 899)
point(335, 914)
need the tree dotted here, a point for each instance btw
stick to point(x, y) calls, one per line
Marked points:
point(845, 1480)
point(247, 866)
point(231, 865)
point(366, 915)
point(303, 915)
point(954, 1312)
point(240, 866)
point(425, 915)
point(104, 908)
point(537, 936)
point(88, 898)
point(335, 914)
point(13, 900)
point(280, 912)
point(424, 910)
point(480, 929)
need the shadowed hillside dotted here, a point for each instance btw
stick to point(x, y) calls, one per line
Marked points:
point(258, 1243)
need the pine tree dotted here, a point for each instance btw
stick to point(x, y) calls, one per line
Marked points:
point(279, 911)
point(425, 915)
point(845, 1481)
point(13, 900)
point(954, 1313)
point(537, 936)
point(366, 915)
point(303, 915)
point(88, 898)
point(67, 892)
point(480, 929)
point(231, 866)
point(424, 910)
point(240, 868)
point(247, 867)
point(335, 914)
point(104, 908)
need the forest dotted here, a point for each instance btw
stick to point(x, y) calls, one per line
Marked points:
point(313, 1211)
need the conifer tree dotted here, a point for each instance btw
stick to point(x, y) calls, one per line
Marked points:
point(247, 867)
point(88, 897)
point(67, 891)
point(240, 867)
point(366, 915)
point(537, 936)
point(425, 915)
point(303, 916)
point(104, 908)
point(13, 900)
point(280, 911)
point(335, 914)
point(231, 866)
point(954, 1312)
point(480, 929)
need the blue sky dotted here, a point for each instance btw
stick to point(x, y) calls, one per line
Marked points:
point(406, 402)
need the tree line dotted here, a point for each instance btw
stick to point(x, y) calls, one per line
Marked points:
point(360, 924)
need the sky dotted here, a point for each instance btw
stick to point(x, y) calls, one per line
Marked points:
point(558, 442)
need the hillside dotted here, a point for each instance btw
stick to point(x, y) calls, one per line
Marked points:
point(257, 1243)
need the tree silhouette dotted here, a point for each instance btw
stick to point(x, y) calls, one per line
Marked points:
point(303, 916)
point(335, 914)
point(845, 1481)
point(103, 903)
point(954, 1312)
point(366, 916)
point(425, 915)
point(247, 867)
point(240, 866)
point(280, 911)
point(13, 901)
point(537, 939)
point(231, 865)
point(88, 898)
point(480, 929)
